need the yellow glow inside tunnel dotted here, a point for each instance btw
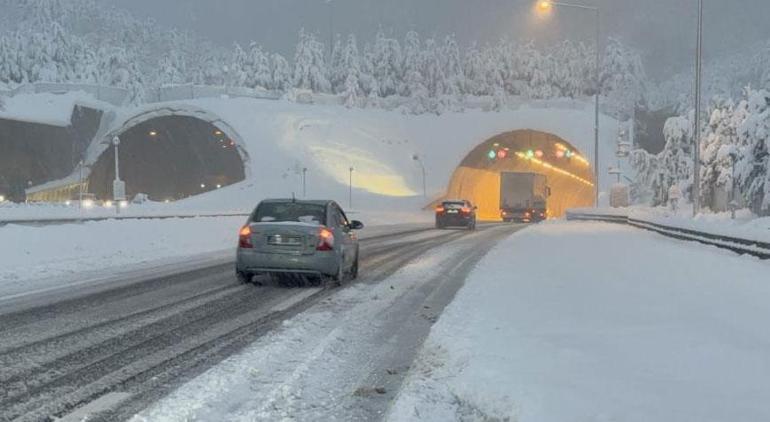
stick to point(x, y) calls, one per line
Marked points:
point(369, 173)
point(478, 177)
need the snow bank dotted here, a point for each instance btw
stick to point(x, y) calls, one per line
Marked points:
point(624, 325)
point(746, 225)
point(46, 108)
point(36, 257)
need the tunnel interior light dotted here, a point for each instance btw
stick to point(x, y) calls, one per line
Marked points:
point(153, 133)
point(203, 186)
point(219, 186)
point(2, 198)
point(218, 133)
point(550, 166)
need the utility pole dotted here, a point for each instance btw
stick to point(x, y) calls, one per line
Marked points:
point(696, 205)
point(304, 182)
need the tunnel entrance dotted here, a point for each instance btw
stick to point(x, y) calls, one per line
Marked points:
point(570, 175)
point(35, 153)
point(170, 158)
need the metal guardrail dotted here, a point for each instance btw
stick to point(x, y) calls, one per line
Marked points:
point(77, 220)
point(738, 245)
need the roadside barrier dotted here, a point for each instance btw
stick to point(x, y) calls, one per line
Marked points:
point(736, 244)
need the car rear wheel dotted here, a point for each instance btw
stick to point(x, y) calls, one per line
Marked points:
point(244, 277)
point(338, 278)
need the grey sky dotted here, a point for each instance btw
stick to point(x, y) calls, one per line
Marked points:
point(662, 29)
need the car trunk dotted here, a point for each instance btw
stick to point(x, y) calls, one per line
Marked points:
point(285, 238)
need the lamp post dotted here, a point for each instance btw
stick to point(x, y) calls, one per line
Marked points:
point(304, 182)
point(330, 4)
point(350, 189)
point(418, 159)
point(118, 186)
point(696, 205)
point(545, 6)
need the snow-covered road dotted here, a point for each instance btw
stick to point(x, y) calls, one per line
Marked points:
point(596, 322)
point(107, 353)
point(342, 359)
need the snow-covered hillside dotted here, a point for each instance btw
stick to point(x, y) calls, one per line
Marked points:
point(281, 138)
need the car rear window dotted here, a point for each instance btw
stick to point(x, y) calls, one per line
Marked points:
point(281, 212)
point(454, 205)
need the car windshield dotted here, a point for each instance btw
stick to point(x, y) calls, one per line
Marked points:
point(280, 212)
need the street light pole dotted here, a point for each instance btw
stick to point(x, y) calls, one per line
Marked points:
point(417, 158)
point(304, 182)
point(118, 186)
point(350, 189)
point(696, 205)
point(546, 6)
point(331, 27)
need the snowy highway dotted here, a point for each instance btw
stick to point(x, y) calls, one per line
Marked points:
point(109, 353)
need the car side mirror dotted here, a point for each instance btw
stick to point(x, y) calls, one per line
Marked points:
point(548, 191)
point(475, 208)
point(356, 225)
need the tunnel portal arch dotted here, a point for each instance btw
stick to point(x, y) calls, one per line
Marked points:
point(477, 177)
point(170, 154)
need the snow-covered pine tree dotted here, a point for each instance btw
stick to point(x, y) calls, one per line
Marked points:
point(257, 68)
point(452, 65)
point(350, 62)
point(622, 78)
point(337, 71)
point(281, 73)
point(474, 69)
point(172, 70)
point(387, 64)
point(718, 147)
point(412, 65)
point(238, 69)
point(309, 64)
point(753, 168)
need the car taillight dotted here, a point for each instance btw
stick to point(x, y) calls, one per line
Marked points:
point(325, 240)
point(466, 210)
point(439, 210)
point(527, 214)
point(244, 238)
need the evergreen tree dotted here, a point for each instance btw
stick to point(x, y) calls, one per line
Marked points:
point(309, 65)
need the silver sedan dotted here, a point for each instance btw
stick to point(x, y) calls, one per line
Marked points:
point(293, 237)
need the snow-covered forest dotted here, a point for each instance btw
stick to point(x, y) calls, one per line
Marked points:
point(81, 41)
point(735, 156)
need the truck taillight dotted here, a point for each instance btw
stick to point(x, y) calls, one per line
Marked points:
point(439, 209)
point(244, 238)
point(325, 240)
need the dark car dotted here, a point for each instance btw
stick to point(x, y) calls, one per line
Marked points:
point(456, 213)
point(291, 237)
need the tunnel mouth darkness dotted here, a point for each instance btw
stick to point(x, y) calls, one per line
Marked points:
point(169, 158)
point(570, 175)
